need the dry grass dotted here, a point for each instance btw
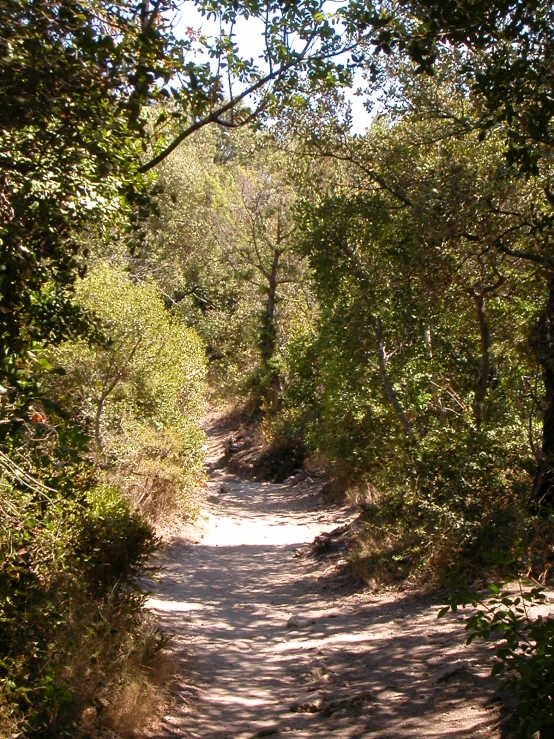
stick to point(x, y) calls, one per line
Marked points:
point(136, 689)
point(10, 726)
point(140, 698)
point(159, 472)
point(369, 559)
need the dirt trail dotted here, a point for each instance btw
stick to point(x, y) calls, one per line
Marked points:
point(353, 666)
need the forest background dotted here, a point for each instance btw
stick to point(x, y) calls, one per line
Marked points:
point(180, 221)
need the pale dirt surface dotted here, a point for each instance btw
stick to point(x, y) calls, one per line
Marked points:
point(363, 665)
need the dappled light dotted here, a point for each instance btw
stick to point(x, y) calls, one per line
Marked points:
point(227, 595)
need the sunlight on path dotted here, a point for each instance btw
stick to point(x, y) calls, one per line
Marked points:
point(349, 666)
point(262, 514)
point(232, 532)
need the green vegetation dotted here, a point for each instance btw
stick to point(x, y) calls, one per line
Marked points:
point(382, 303)
point(425, 371)
point(71, 619)
point(235, 275)
point(525, 655)
point(139, 394)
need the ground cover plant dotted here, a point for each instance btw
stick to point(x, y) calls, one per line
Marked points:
point(71, 612)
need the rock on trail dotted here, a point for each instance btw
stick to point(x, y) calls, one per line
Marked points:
point(267, 642)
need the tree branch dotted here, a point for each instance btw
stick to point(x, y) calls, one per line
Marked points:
point(230, 105)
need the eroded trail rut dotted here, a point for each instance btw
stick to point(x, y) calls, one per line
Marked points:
point(353, 665)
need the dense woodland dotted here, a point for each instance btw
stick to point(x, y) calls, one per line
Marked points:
point(183, 226)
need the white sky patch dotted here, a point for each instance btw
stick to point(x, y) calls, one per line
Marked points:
point(250, 41)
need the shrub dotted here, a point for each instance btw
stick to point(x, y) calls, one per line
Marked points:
point(525, 655)
point(70, 607)
point(139, 395)
point(160, 470)
point(455, 495)
point(458, 499)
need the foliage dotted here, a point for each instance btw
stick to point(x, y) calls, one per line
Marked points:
point(69, 147)
point(221, 249)
point(186, 257)
point(413, 379)
point(526, 652)
point(428, 242)
point(508, 68)
point(69, 608)
point(140, 395)
point(81, 81)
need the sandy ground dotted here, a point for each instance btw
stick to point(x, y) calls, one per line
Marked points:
point(354, 665)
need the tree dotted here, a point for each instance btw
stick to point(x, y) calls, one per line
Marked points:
point(257, 238)
point(221, 250)
point(417, 364)
point(507, 53)
point(81, 81)
point(73, 78)
point(507, 63)
point(141, 394)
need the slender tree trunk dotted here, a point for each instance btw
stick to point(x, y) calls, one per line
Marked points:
point(269, 333)
point(543, 490)
point(98, 423)
point(106, 393)
point(482, 381)
point(389, 390)
point(381, 353)
point(276, 390)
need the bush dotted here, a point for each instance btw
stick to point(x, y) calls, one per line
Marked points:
point(525, 655)
point(139, 395)
point(77, 649)
point(460, 499)
point(455, 495)
point(160, 470)
point(113, 541)
point(70, 607)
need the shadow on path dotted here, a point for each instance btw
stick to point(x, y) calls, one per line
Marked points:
point(357, 665)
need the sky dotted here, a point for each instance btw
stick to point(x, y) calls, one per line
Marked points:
point(249, 38)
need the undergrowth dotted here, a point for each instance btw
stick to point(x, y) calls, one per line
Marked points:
point(75, 642)
point(524, 655)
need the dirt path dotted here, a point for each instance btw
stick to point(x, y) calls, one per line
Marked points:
point(353, 665)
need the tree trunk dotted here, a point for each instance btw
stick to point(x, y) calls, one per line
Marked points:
point(482, 381)
point(543, 489)
point(269, 330)
point(98, 423)
point(269, 334)
point(276, 390)
point(389, 390)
